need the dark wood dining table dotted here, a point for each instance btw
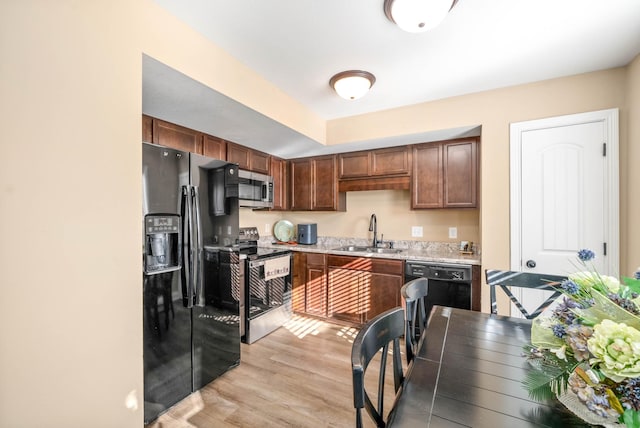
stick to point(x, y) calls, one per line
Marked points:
point(468, 372)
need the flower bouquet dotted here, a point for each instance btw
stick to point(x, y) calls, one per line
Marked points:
point(586, 349)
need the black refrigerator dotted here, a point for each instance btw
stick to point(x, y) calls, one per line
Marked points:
point(189, 202)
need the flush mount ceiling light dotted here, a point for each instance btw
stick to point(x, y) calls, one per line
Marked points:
point(416, 16)
point(352, 84)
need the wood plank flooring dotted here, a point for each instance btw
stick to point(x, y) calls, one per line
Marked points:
point(298, 376)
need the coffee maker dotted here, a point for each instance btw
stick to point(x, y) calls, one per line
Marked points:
point(163, 241)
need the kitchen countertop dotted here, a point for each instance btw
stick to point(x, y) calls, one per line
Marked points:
point(441, 252)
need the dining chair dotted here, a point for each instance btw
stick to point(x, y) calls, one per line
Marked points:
point(375, 336)
point(533, 281)
point(414, 293)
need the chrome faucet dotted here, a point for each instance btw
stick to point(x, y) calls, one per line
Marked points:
point(373, 227)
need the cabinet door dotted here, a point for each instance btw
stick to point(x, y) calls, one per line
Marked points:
point(316, 285)
point(214, 147)
point(380, 292)
point(280, 180)
point(176, 136)
point(147, 129)
point(426, 181)
point(240, 155)
point(260, 162)
point(391, 161)
point(460, 160)
point(300, 185)
point(316, 295)
point(324, 196)
point(344, 295)
point(298, 281)
point(354, 164)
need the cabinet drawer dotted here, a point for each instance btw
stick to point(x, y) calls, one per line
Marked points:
point(315, 259)
point(376, 265)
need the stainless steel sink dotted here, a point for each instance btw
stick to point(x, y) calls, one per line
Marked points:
point(355, 249)
point(385, 250)
point(352, 249)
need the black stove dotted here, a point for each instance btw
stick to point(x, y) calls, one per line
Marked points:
point(248, 244)
point(267, 293)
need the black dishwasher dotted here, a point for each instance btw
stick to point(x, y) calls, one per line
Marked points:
point(449, 283)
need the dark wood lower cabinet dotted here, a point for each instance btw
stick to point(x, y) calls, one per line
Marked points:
point(316, 285)
point(345, 296)
point(361, 288)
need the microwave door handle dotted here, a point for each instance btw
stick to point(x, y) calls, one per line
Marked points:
point(197, 274)
point(186, 245)
point(266, 191)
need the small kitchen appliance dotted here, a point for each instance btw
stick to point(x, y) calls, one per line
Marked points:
point(308, 233)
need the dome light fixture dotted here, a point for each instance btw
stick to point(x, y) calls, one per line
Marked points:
point(352, 84)
point(417, 16)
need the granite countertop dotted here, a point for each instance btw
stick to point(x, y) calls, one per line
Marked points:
point(428, 251)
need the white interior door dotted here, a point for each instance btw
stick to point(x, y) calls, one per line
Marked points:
point(564, 195)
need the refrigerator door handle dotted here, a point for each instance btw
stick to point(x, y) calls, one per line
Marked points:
point(186, 210)
point(197, 274)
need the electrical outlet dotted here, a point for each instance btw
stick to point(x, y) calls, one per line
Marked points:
point(416, 231)
point(267, 228)
point(453, 232)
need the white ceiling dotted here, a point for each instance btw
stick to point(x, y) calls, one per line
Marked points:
point(299, 44)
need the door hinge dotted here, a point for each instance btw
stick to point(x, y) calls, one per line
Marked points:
point(604, 245)
point(604, 149)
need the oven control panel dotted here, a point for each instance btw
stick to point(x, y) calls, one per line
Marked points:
point(248, 234)
point(447, 272)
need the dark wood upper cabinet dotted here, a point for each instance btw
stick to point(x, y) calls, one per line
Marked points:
point(147, 129)
point(391, 161)
point(445, 174)
point(247, 158)
point(176, 136)
point(325, 196)
point(214, 147)
point(426, 180)
point(375, 163)
point(460, 162)
point(279, 172)
point(300, 184)
point(355, 164)
point(314, 185)
point(379, 169)
point(260, 162)
point(240, 155)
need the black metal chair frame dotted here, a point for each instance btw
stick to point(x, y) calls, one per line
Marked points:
point(375, 336)
point(416, 317)
point(538, 281)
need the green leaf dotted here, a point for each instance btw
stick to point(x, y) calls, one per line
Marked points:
point(545, 384)
point(631, 418)
point(632, 283)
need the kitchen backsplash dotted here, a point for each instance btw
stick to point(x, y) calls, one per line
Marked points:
point(334, 242)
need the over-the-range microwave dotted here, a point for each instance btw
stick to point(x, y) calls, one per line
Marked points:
point(255, 190)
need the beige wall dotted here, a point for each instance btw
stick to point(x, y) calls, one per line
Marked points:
point(71, 306)
point(71, 335)
point(391, 208)
point(630, 173)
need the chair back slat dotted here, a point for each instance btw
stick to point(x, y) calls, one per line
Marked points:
point(506, 280)
point(414, 293)
point(374, 337)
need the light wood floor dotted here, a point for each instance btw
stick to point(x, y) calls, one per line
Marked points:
point(298, 376)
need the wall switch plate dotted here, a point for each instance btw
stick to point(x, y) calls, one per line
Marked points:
point(416, 231)
point(453, 232)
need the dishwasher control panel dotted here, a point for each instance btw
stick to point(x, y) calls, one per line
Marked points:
point(443, 271)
